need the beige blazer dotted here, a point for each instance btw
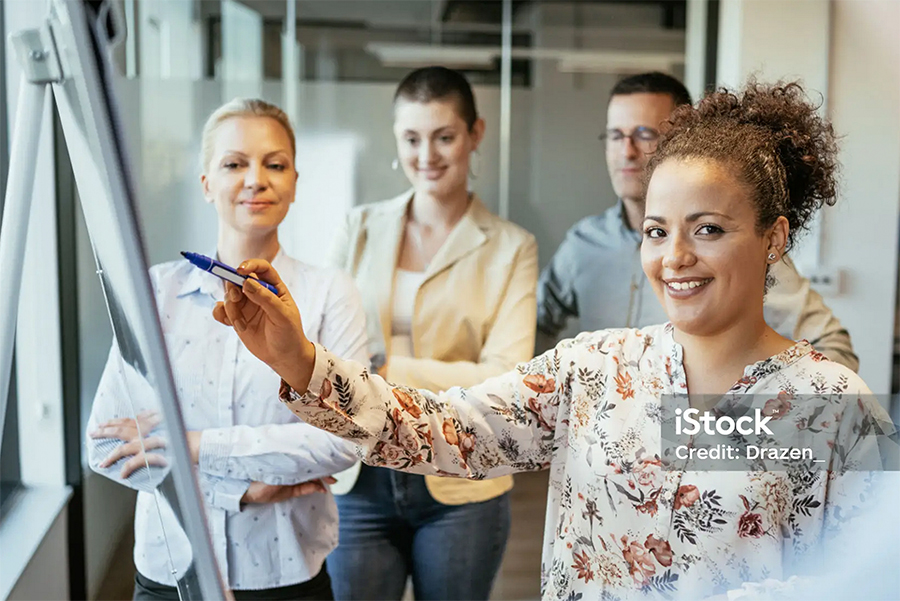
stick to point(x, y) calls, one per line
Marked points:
point(475, 312)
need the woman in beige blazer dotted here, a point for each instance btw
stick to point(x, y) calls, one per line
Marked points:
point(449, 291)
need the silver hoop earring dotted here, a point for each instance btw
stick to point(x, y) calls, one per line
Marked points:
point(772, 257)
point(474, 164)
point(395, 164)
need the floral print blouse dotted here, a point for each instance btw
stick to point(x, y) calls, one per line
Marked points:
point(618, 525)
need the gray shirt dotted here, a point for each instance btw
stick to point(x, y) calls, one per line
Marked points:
point(596, 276)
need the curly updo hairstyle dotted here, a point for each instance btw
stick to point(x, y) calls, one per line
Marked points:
point(773, 138)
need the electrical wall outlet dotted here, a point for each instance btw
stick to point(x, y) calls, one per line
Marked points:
point(826, 282)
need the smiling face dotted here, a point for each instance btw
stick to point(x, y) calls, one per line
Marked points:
point(434, 144)
point(251, 177)
point(702, 250)
point(626, 158)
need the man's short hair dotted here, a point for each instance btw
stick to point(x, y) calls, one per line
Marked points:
point(653, 83)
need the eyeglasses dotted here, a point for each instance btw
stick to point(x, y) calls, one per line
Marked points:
point(642, 137)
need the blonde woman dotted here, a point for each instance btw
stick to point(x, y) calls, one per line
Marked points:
point(272, 522)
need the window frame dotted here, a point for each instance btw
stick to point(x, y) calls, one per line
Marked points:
point(10, 465)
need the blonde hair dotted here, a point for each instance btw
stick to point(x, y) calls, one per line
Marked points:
point(241, 107)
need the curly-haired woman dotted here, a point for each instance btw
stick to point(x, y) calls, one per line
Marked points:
point(732, 182)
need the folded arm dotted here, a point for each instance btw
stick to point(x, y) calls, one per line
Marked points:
point(274, 454)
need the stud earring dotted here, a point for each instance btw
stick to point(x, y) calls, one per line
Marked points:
point(772, 257)
point(395, 164)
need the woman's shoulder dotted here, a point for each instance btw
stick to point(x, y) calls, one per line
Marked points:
point(390, 206)
point(515, 232)
point(818, 371)
point(818, 377)
point(167, 267)
point(503, 229)
point(627, 343)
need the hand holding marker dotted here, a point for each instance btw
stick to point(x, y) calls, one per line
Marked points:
point(223, 271)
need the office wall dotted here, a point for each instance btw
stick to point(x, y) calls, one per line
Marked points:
point(559, 173)
point(108, 516)
point(847, 51)
point(47, 575)
point(774, 39)
point(861, 232)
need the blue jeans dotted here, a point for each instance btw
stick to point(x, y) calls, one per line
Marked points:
point(391, 527)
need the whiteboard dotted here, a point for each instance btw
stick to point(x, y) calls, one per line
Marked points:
point(83, 32)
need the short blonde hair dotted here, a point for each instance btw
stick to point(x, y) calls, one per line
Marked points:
point(241, 107)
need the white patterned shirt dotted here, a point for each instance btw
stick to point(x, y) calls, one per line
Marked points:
point(229, 394)
point(619, 525)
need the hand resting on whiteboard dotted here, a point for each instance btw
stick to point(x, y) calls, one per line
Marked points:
point(269, 325)
point(138, 439)
point(138, 455)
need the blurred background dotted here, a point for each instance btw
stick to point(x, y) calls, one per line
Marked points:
point(333, 66)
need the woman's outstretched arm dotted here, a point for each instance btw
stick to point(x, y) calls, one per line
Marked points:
point(504, 425)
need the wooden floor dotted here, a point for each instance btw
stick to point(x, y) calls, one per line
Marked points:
point(520, 574)
point(119, 582)
point(519, 577)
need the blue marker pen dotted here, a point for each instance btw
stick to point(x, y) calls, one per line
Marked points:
point(221, 270)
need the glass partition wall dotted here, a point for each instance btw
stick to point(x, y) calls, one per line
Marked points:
point(333, 66)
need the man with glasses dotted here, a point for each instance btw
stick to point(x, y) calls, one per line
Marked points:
point(596, 273)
